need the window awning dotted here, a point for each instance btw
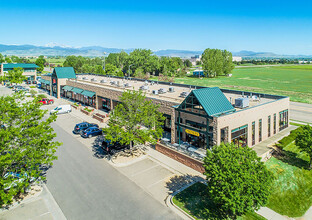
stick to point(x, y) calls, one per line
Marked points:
point(45, 81)
point(77, 90)
point(68, 88)
point(88, 93)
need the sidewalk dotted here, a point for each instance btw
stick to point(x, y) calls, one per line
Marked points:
point(264, 148)
point(41, 207)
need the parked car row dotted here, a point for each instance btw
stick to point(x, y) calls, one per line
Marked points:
point(87, 130)
point(46, 101)
point(112, 148)
point(18, 88)
point(31, 82)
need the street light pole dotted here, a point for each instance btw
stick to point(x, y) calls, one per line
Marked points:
point(104, 61)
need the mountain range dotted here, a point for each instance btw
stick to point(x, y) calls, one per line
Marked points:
point(53, 49)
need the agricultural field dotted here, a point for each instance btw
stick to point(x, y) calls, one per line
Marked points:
point(56, 61)
point(294, 81)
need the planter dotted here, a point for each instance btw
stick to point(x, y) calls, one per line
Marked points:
point(76, 107)
point(100, 117)
point(86, 112)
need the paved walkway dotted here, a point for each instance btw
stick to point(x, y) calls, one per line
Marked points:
point(42, 207)
point(270, 214)
point(264, 147)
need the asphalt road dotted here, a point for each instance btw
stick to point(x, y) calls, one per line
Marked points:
point(301, 112)
point(89, 188)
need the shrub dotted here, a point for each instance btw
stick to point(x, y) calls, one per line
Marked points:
point(87, 109)
point(288, 139)
point(41, 96)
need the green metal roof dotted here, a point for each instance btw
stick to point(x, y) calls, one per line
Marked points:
point(45, 81)
point(68, 88)
point(88, 93)
point(16, 65)
point(64, 72)
point(213, 101)
point(77, 90)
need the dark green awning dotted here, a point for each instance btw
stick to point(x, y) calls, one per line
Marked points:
point(68, 88)
point(47, 82)
point(88, 93)
point(77, 90)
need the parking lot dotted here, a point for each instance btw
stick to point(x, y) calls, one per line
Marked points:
point(79, 169)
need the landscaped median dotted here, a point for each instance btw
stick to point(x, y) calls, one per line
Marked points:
point(195, 202)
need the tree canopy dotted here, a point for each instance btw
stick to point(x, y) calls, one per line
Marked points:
point(134, 120)
point(140, 62)
point(40, 61)
point(304, 140)
point(27, 144)
point(217, 62)
point(238, 182)
point(16, 75)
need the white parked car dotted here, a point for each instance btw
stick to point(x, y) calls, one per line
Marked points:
point(61, 109)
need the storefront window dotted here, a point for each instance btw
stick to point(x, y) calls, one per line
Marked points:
point(239, 136)
point(283, 119)
point(269, 126)
point(106, 104)
point(196, 125)
point(253, 133)
point(260, 130)
point(274, 124)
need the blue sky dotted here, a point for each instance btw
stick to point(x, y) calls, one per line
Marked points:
point(282, 27)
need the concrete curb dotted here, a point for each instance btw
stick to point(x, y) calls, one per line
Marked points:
point(174, 207)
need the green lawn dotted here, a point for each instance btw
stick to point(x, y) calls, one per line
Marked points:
point(194, 201)
point(292, 81)
point(292, 191)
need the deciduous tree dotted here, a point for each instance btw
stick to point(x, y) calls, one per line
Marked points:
point(27, 144)
point(304, 141)
point(16, 75)
point(134, 120)
point(238, 182)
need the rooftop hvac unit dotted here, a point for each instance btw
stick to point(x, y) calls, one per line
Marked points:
point(103, 81)
point(144, 87)
point(162, 91)
point(155, 92)
point(184, 94)
point(241, 102)
point(171, 89)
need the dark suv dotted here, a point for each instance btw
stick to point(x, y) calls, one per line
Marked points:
point(111, 149)
point(79, 128)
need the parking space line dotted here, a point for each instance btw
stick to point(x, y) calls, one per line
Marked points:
point(142, 171)
point(45, 213)
point(160, 180)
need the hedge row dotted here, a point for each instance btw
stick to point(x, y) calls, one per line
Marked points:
point(288, 139)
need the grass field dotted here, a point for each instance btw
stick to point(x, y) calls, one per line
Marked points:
point(294, 81)
point(52, 61)
point(292, 191)
point(194, 201)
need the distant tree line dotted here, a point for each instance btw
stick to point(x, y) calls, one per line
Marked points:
point(139, 63)
point(267, 61)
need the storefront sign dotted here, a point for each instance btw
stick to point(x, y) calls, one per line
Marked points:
point(191, 132)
